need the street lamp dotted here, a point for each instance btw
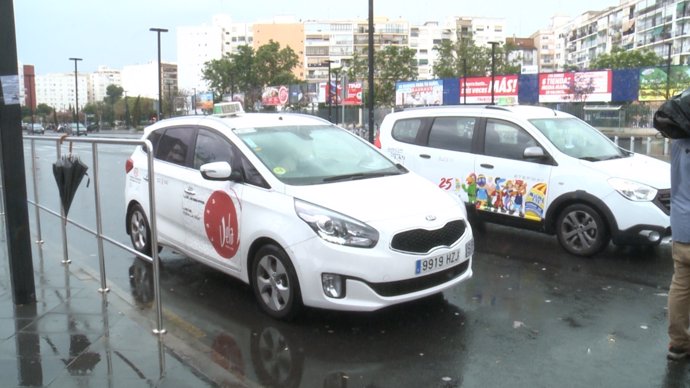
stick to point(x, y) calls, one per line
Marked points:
point(194, 100)
point(126, 112)
point(76, 92)
point(668, 70)
point(493, 68)
point(160, 90)
point(330, 100)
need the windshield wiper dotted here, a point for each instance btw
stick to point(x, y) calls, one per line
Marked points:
point(359, 175)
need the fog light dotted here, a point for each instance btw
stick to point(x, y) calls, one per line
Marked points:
point(654, 236)
point(333, 285)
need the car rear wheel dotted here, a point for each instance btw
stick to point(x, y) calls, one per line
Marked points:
point(581, 230)
point(139, 230)
point(275, 283)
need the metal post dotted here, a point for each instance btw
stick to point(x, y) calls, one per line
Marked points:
point(99, 223)
point(493, 69)
point(668, 70)
point(649, 145)
point(39, 238)
point(335, 93)
point(154, 241)
point(160, 89)
point(632, 143)
point(330, 92)
point(76, 92)
point(370, 56)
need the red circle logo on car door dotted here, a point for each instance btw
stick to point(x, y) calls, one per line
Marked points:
point(220, 220)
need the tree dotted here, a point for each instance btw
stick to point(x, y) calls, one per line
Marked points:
point(392, 64)
point(620, 58)
point(250, 71)
point(464, 58)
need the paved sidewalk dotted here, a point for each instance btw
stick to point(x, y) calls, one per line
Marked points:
point(76, 336)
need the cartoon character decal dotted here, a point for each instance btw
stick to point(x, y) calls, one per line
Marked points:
point(220, 221)
point(508, 196)
point(470, 188)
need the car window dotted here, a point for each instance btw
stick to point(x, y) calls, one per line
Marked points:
point(406, 130)
point(452, 133)
point(174, 145)
point(315, 154)
point(578, 139)
point(154, 138)
point(506, 140)
point(211, 147)
point(251, 175)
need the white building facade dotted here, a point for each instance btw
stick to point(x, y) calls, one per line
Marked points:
point(58, 90)
point(99, 82)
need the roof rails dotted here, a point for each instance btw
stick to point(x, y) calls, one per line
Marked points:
point(498, 107)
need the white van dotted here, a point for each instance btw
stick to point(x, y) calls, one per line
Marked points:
point(536, 168)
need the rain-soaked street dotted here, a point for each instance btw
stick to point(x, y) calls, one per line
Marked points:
point(532, 315)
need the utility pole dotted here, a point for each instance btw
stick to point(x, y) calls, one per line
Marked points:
point(17, 231)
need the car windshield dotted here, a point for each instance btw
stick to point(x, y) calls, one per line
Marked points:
point(578, 139)
point(307, 155)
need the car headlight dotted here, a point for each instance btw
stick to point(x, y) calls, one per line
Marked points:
point(335, 227)
point(632, 190)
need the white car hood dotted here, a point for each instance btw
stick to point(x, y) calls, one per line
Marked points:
point(638, 168)
point(385, 198)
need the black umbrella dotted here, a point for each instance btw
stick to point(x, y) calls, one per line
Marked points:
point(69, 172)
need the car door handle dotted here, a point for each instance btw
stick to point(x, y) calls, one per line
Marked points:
point(425, 156)
point(487, 165)
point(190, 191)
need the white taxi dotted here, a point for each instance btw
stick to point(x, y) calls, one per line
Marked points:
point(305, 212)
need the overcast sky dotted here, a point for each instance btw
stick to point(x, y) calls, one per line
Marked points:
point(115, 33)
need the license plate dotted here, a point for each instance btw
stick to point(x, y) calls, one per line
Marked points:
point(437, 263)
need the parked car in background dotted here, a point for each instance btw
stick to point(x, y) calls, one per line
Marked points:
point(35, 128)
point(303, 211)
point(75, 129)
point(93, 127)
point(536, 168)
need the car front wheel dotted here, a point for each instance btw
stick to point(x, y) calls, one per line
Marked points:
point(275, 283)
point(581, 230)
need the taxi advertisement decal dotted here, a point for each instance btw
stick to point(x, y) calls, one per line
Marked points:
point(517, 196)
point(220, 221)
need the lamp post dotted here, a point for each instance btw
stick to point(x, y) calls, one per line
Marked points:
point(330, 100)
point(668, 70)
point(335, 95)
point(493, 68)
point(194, 100)
point(160, 89)
point(126, 112)
point(76, 93)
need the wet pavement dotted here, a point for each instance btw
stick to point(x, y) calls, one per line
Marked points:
point(532, 316)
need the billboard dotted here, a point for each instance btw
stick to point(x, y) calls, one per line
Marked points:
point(419, 93)
point(593, 86)
point(204, 101)
point(275, 95)
point(477, 90)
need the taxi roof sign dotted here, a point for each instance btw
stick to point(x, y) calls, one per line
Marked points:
point(232, 108)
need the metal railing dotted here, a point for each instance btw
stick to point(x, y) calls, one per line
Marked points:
point(98, 233)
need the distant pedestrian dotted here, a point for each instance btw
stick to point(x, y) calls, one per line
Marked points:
point(679, 294)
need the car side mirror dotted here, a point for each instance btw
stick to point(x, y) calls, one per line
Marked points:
point(218, 171)
point(534, 152)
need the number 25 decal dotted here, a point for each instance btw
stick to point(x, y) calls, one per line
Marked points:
point(446, 183)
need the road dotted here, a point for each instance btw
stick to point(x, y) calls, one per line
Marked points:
point(532, 316)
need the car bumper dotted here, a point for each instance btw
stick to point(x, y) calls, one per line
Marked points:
point(376, 278)
point(638, 222)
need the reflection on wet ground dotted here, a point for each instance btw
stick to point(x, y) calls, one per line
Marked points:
point(532, 316)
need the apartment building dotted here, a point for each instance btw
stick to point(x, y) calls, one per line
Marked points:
point(99, 81)
point(58, 91)
point(287, 32)
point(142, 80)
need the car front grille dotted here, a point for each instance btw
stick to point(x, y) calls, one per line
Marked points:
point(407, 286)
point(424, 241)
point(663, 200)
